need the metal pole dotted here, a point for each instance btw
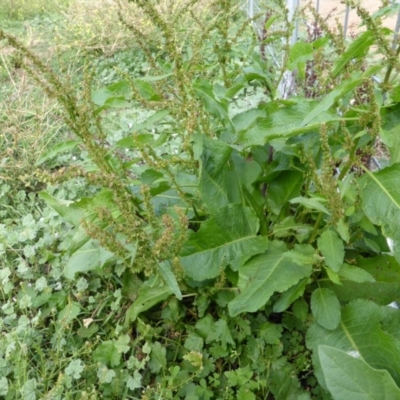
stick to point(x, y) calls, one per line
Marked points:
point(250, 9)
point(346, 21)
point(292, 6)
point(286, 86)
point(396, 30)
point(317, 6)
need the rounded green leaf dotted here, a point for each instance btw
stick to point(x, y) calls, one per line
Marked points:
point(332, 248)
point(325, 307)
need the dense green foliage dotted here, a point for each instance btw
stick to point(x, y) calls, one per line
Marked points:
point(199, 236)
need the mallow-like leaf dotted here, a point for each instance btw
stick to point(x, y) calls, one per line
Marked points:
point(325, 307)
point(332, 248)
point(359, 332)
point(259, 278)
point(352, 378)
point(229, 237)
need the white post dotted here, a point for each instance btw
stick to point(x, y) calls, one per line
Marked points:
point(346, 21)
point(287, 83)
point(397, 28)
point(250, 9)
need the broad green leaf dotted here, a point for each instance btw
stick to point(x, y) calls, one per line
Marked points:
point(299, 54)
point(343, 230)
point(263, 275)
point(290, 296)
point(311, 203)
point(386, 288)
point(359, 331)
point(289, 227)
point(286, 187)
point(246, 171)
point(155, 78)
point(381, 200)
point(283, 122)
point(218, 184)
point(151, 293)
point(325, 307)
point(391, 9)
point(69, 313)
point(230, 237)
point(57, 149)
point(153, 120)
point(357, 49)
point(205, 92)
point(330, 99)
point(145, 90)
point(333, 276)
point(72, 212)
point(89, 257)
point(86, 208)
point(169, 278)
point(390, 128)
point(355, 274)
point(332, 248)
point(395, 93)
point(246, 119)
point(352, 378)
point(116, 91)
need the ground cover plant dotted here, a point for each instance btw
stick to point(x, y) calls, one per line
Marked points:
point(210, 223)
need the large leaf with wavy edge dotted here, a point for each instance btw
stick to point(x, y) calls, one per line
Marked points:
point(352, 378)
point(381, 201)
point(286, 187)
point(358, 48)
point(340, 91)
point(230, 237)
point(283, 121)
point(360, 332)
point(218, 186)
point(273, 271)
point(150, 293)
point(385, 271)
point(89, 257)
point(390, 128)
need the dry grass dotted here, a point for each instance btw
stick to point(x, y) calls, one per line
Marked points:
point(29, 121)
point(95, 26)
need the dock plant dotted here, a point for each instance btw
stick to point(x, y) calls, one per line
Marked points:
point(228, 240)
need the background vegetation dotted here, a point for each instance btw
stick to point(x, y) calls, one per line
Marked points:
point(172, 228)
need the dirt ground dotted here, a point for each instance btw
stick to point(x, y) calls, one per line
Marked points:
point(326, 6)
